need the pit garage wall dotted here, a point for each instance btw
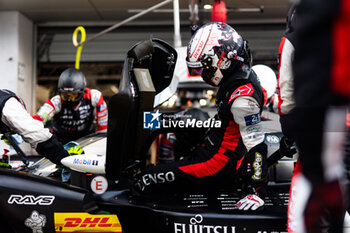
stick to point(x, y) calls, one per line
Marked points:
point(112, 47)
point(16, 56)
point(16, 62)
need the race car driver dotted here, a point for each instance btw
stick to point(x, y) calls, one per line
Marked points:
point(222, 57)
point(75, 108)
point(15, 118)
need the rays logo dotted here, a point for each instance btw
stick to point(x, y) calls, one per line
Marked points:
point(31, 200)
point(151, 120)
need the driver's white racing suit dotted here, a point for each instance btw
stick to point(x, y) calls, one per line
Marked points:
point(14, 117)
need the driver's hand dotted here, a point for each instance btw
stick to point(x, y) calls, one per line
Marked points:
point(251, 202)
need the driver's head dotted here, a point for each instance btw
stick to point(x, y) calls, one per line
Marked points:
point(71, 85)
point(216, 50)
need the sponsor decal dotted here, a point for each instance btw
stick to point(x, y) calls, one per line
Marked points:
point(196, 225)
point(213, 39)
point(246, 90)
point(254, 129)
point(257, 166)
point(272, 139)
point(252, 119)
point(198, 50)
point(99, 185)
point(84, 222)
point(157, 178)
point(151, 120)
point(31, 200)
point(36, 222)
point(86, 162)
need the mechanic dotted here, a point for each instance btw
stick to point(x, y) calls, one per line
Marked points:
point(222, 57)
point(15, 118)
point(75, 108)
point(286, 107)
point(285, 87)
point(322, 91)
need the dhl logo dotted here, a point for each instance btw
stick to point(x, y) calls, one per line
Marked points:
point(84, 222)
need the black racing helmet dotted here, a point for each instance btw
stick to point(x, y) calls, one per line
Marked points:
point(71, 85)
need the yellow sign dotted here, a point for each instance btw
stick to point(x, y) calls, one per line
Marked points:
point(84, 222)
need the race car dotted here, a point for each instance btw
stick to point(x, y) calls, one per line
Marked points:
point(36, 200)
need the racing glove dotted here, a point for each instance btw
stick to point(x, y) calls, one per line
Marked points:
point(287, 147)
point(52, 149)
point(251, 201)
point(73, 148)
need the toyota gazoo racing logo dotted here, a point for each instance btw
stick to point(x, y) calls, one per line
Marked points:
point(30, 200)
point(196, 225)
point(84, 222)
point(156, 120)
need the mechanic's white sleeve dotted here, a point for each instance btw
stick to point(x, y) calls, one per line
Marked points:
point(95, 97)
point(246, 113)
point(49, 109)
point(286, 77)
point(19, 120)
